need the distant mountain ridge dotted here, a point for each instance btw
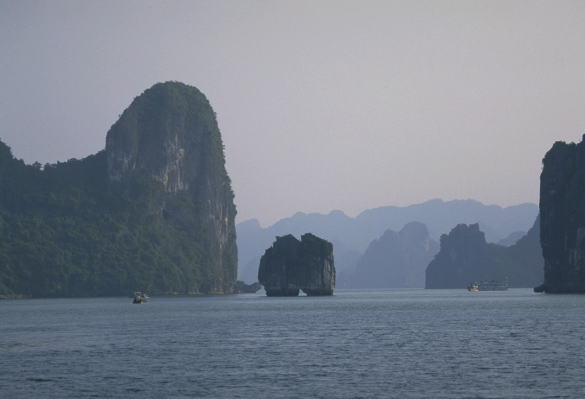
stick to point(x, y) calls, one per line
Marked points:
point(396, 259)
point(351, 236)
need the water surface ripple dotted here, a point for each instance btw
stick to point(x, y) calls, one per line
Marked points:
point(356, 344)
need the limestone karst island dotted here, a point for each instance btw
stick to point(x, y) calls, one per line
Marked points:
point(291, 266)
point(153, 211)
point(562, 212)
point(227, 199)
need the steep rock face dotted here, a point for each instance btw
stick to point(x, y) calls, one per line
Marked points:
point(562, 210)
point(396, 260)
point(291, 265)
point(154, 211)
point(465, 256)
point(164, 133)
point(170, 133)
point(461, 260)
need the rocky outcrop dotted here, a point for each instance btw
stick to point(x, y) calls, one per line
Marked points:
point(461, 260)
point(164, 133)
point(351, 236)
point(396, 259)
point(152, 212)
point(465, 257)
point(291, 265)
point(562, 210)
point(170, 134)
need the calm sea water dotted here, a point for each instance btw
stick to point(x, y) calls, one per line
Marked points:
point(356, 344)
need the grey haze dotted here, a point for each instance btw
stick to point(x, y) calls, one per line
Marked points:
point(323, 104)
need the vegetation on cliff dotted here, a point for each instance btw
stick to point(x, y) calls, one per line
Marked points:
point(162, 222)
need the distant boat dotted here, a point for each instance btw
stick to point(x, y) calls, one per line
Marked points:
point(140, 297)
point(473, 287)
point(491, 285)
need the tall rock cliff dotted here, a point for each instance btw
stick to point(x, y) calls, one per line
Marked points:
point(396, 259)
point(291, 265)
point(170, 133)
point(465, 257)
point(562, 210)
point(154, 211)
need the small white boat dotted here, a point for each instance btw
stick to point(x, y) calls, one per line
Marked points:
point(140, 297)
point(491, 285)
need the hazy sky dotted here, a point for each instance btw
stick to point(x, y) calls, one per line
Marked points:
point(322, 104)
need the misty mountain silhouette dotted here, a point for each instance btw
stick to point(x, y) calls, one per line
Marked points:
point(396, 259)
point(352, 235)
point(465, 257)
